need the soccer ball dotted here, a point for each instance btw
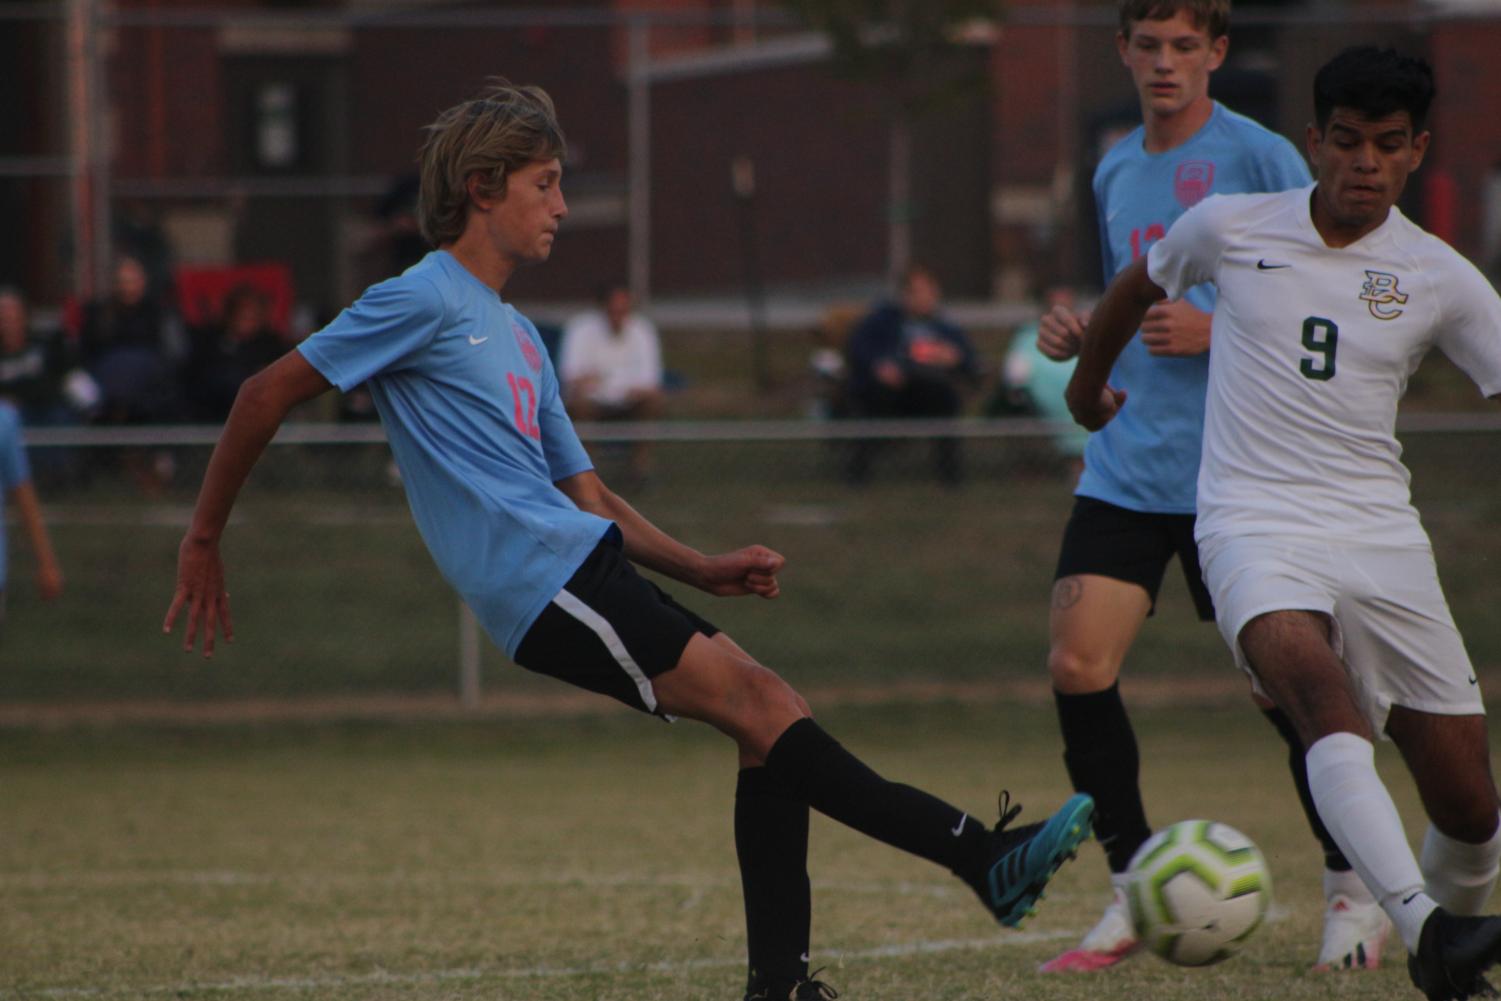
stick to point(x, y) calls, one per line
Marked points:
point(1197, 890)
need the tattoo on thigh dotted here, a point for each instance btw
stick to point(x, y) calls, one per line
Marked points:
point(1066, 593)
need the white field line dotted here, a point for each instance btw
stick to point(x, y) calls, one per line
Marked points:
point(461, 974)
point(697, 886)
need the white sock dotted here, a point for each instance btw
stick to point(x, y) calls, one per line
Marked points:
point(1360, 815)
point(1459, 875)
point(1347, 884)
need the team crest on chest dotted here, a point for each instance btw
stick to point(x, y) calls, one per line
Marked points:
point(1192, 182)
point(528, 347)
point(1380, 292)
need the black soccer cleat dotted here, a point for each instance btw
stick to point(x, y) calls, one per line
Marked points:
point(808, 989)
point(1453, 953)
point(1023, 859)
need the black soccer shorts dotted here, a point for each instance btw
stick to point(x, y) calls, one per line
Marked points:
point(610, 630)
point(1132, 546)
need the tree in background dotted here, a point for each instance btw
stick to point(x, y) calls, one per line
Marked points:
point(905, 46)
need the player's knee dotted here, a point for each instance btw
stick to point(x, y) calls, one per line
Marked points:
point(768, 696)
point(1465, 810)
point(1473, 823)
point(1076, 673)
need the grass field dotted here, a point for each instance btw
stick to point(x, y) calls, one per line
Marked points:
point(546, 855)
point(578, 857)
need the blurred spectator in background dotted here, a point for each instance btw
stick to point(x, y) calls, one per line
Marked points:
point(611, 367)
point(129, 347)
point(38, 373)
point(399, 239)
point(229, 352)
point(906, 360)
point(826, 363)
point(138, 233)
point(1032, 384)
point(16, 487)
point(40, 376)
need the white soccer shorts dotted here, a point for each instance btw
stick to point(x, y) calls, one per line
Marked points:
point(1392, 626)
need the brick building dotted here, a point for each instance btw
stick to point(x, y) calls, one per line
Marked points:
point(252, 138)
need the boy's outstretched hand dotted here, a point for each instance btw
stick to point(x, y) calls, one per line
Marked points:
point(200, 589)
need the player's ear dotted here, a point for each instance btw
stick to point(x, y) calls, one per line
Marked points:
point(482, 190)
point(1420, 148)
point(1313, 140)
point(1217, 49)
point(1122, 43)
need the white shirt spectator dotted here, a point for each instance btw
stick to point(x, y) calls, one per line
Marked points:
point(610, 368)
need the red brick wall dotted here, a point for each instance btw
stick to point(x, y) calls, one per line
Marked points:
point(1465, 121)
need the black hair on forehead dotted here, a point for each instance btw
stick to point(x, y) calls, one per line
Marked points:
point(1374, 83)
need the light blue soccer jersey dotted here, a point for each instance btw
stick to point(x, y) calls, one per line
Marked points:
point(471, 406)
point(1147, 458)
point(14, 469)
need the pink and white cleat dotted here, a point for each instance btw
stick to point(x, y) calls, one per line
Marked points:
point(1109, 942)
point(1354, 933)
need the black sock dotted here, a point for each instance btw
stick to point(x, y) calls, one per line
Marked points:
point(837, 784)
point(771, 843)
point(1099, 750)
point(1297, 763)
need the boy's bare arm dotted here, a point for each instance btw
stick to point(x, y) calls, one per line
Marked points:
point(49, 574)
point(751, 570)
point(262, 404)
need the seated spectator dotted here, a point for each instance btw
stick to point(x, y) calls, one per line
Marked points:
point(906, 360)
point(127, 345)
point(826, 363)
point(37, 374)
point(15, 486)
point(226, 354)
point(611, 367)
point(1032, 385)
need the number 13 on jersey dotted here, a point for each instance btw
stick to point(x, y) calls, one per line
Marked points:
point(524, 398)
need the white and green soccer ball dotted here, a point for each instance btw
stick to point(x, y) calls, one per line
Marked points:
point(1197, 890)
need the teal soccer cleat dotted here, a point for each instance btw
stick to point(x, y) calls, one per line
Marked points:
point(1023, 859)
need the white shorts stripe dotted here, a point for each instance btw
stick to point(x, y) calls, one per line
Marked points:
point(611, 639)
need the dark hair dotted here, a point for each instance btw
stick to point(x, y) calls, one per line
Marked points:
point(1374, 82)
point(604, 290)
point(1211, 15)
point(242, 294)
point(917, 270)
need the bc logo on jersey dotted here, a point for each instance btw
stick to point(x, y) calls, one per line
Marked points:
point(1192, 182)
point(528, 348)
point(1380, 292)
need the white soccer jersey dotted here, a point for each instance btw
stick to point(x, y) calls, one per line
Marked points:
point(1312, 349)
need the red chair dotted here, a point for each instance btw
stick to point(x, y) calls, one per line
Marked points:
point(201, 291)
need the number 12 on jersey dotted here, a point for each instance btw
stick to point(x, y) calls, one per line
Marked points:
point(1320, 336)
point(524, 395)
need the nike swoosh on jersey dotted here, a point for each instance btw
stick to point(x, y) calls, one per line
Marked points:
point(1262, 265)
point(958, 828)
point(478, 340)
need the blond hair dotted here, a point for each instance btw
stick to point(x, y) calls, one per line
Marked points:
point(503, 129)
point(1211, 15)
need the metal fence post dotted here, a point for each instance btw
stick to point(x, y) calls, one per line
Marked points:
point(469, 683)
point(638, 131)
